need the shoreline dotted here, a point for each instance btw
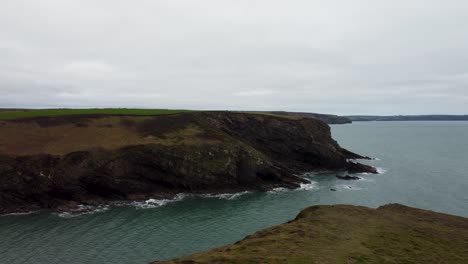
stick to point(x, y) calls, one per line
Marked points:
point(74, 209)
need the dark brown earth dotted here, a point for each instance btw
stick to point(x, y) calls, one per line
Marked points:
point(58, 162)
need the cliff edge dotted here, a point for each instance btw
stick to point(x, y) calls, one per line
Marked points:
point(62, 161)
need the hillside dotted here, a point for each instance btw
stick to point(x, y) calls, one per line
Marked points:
point(350, 234)
point(59, 161)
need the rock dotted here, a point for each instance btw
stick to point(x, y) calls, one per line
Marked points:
point(347, 177)
point(354, 167)
point(198, 152)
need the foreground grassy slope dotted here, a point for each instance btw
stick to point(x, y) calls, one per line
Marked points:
point(7, 114)
point(351, 234)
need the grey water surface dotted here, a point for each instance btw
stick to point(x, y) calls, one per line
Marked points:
point(425, 164)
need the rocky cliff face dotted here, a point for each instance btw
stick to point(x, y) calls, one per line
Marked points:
point(162, 155)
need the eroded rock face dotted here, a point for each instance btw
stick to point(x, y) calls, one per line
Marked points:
point(221, 152)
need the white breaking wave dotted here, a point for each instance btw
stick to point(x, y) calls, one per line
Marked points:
point(154, 203)
point(381, 170)
point(308, 186)
point(348, 187)
point(313, 185)
point(19, 213)
point(227, 196)
point(278, 190)
point(150, 203)
point(84, 210)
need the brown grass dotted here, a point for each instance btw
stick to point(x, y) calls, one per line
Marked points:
point(57, 136)
point(351, 234)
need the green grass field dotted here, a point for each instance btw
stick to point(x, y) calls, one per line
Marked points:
point(7, 114)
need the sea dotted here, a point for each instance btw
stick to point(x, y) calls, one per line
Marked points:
point(423, 164)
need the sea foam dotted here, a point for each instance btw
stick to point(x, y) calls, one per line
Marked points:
point(154, 203)
point(278, 190)
point(83, 210)
point(20, 213)
point(308, 186)
point(227, 196)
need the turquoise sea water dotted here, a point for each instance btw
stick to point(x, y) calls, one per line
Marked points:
point(425, 163)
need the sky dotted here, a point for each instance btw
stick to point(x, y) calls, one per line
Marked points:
point(342, 57)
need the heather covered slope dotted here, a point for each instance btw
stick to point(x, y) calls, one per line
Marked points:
point(57, 162)
point(351, 234)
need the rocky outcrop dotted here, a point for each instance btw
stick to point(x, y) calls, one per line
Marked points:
point(347, 177)
point(350, 234)
point(200, 152)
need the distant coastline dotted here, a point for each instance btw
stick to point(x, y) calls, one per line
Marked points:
point(19, 113)
point(364, 118)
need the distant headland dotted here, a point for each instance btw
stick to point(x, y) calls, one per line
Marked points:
point(358, 118)
point(59, 160)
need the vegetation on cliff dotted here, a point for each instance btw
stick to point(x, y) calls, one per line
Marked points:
point(59, 161)
point(7, 114)
point(350, 234)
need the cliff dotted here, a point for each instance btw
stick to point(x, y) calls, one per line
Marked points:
point(58, 162)
point(350, 234)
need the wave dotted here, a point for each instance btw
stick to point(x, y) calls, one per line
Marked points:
point(154, 203)
point(381, 170)
point(348, 187)
point(308, 186)
point(83, 210)
point(313, 185)
point(19, 213)
point(278, 190)
point(227, 196)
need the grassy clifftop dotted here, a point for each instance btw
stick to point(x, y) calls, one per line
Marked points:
point(8, 114)
point(59, 161)
point(351, 234)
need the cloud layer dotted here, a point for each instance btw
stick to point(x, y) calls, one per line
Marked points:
point(343, 57)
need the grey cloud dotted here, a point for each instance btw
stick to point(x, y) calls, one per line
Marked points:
point(343, 57)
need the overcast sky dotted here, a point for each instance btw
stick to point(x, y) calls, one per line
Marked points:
point(341, 57)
